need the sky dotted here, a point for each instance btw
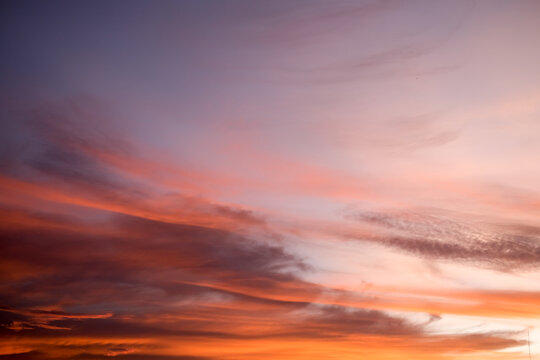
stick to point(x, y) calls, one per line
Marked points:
point(249, 179)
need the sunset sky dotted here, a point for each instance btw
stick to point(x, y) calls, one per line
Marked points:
point(269, 179)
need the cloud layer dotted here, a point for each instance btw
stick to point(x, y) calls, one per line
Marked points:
point(269, 180)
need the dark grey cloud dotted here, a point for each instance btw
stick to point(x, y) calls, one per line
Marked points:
point(137, 258)
point(327, 321)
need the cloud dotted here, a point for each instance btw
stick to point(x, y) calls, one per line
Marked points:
point(145, 285)
point(138, 278)
point(68, 153)
point(446, 238)
point(130, 249)
point(199, 221)
point(331, 320)
point(300, 29)
point(115, 353)
point(97, 262)
point(29, 319)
